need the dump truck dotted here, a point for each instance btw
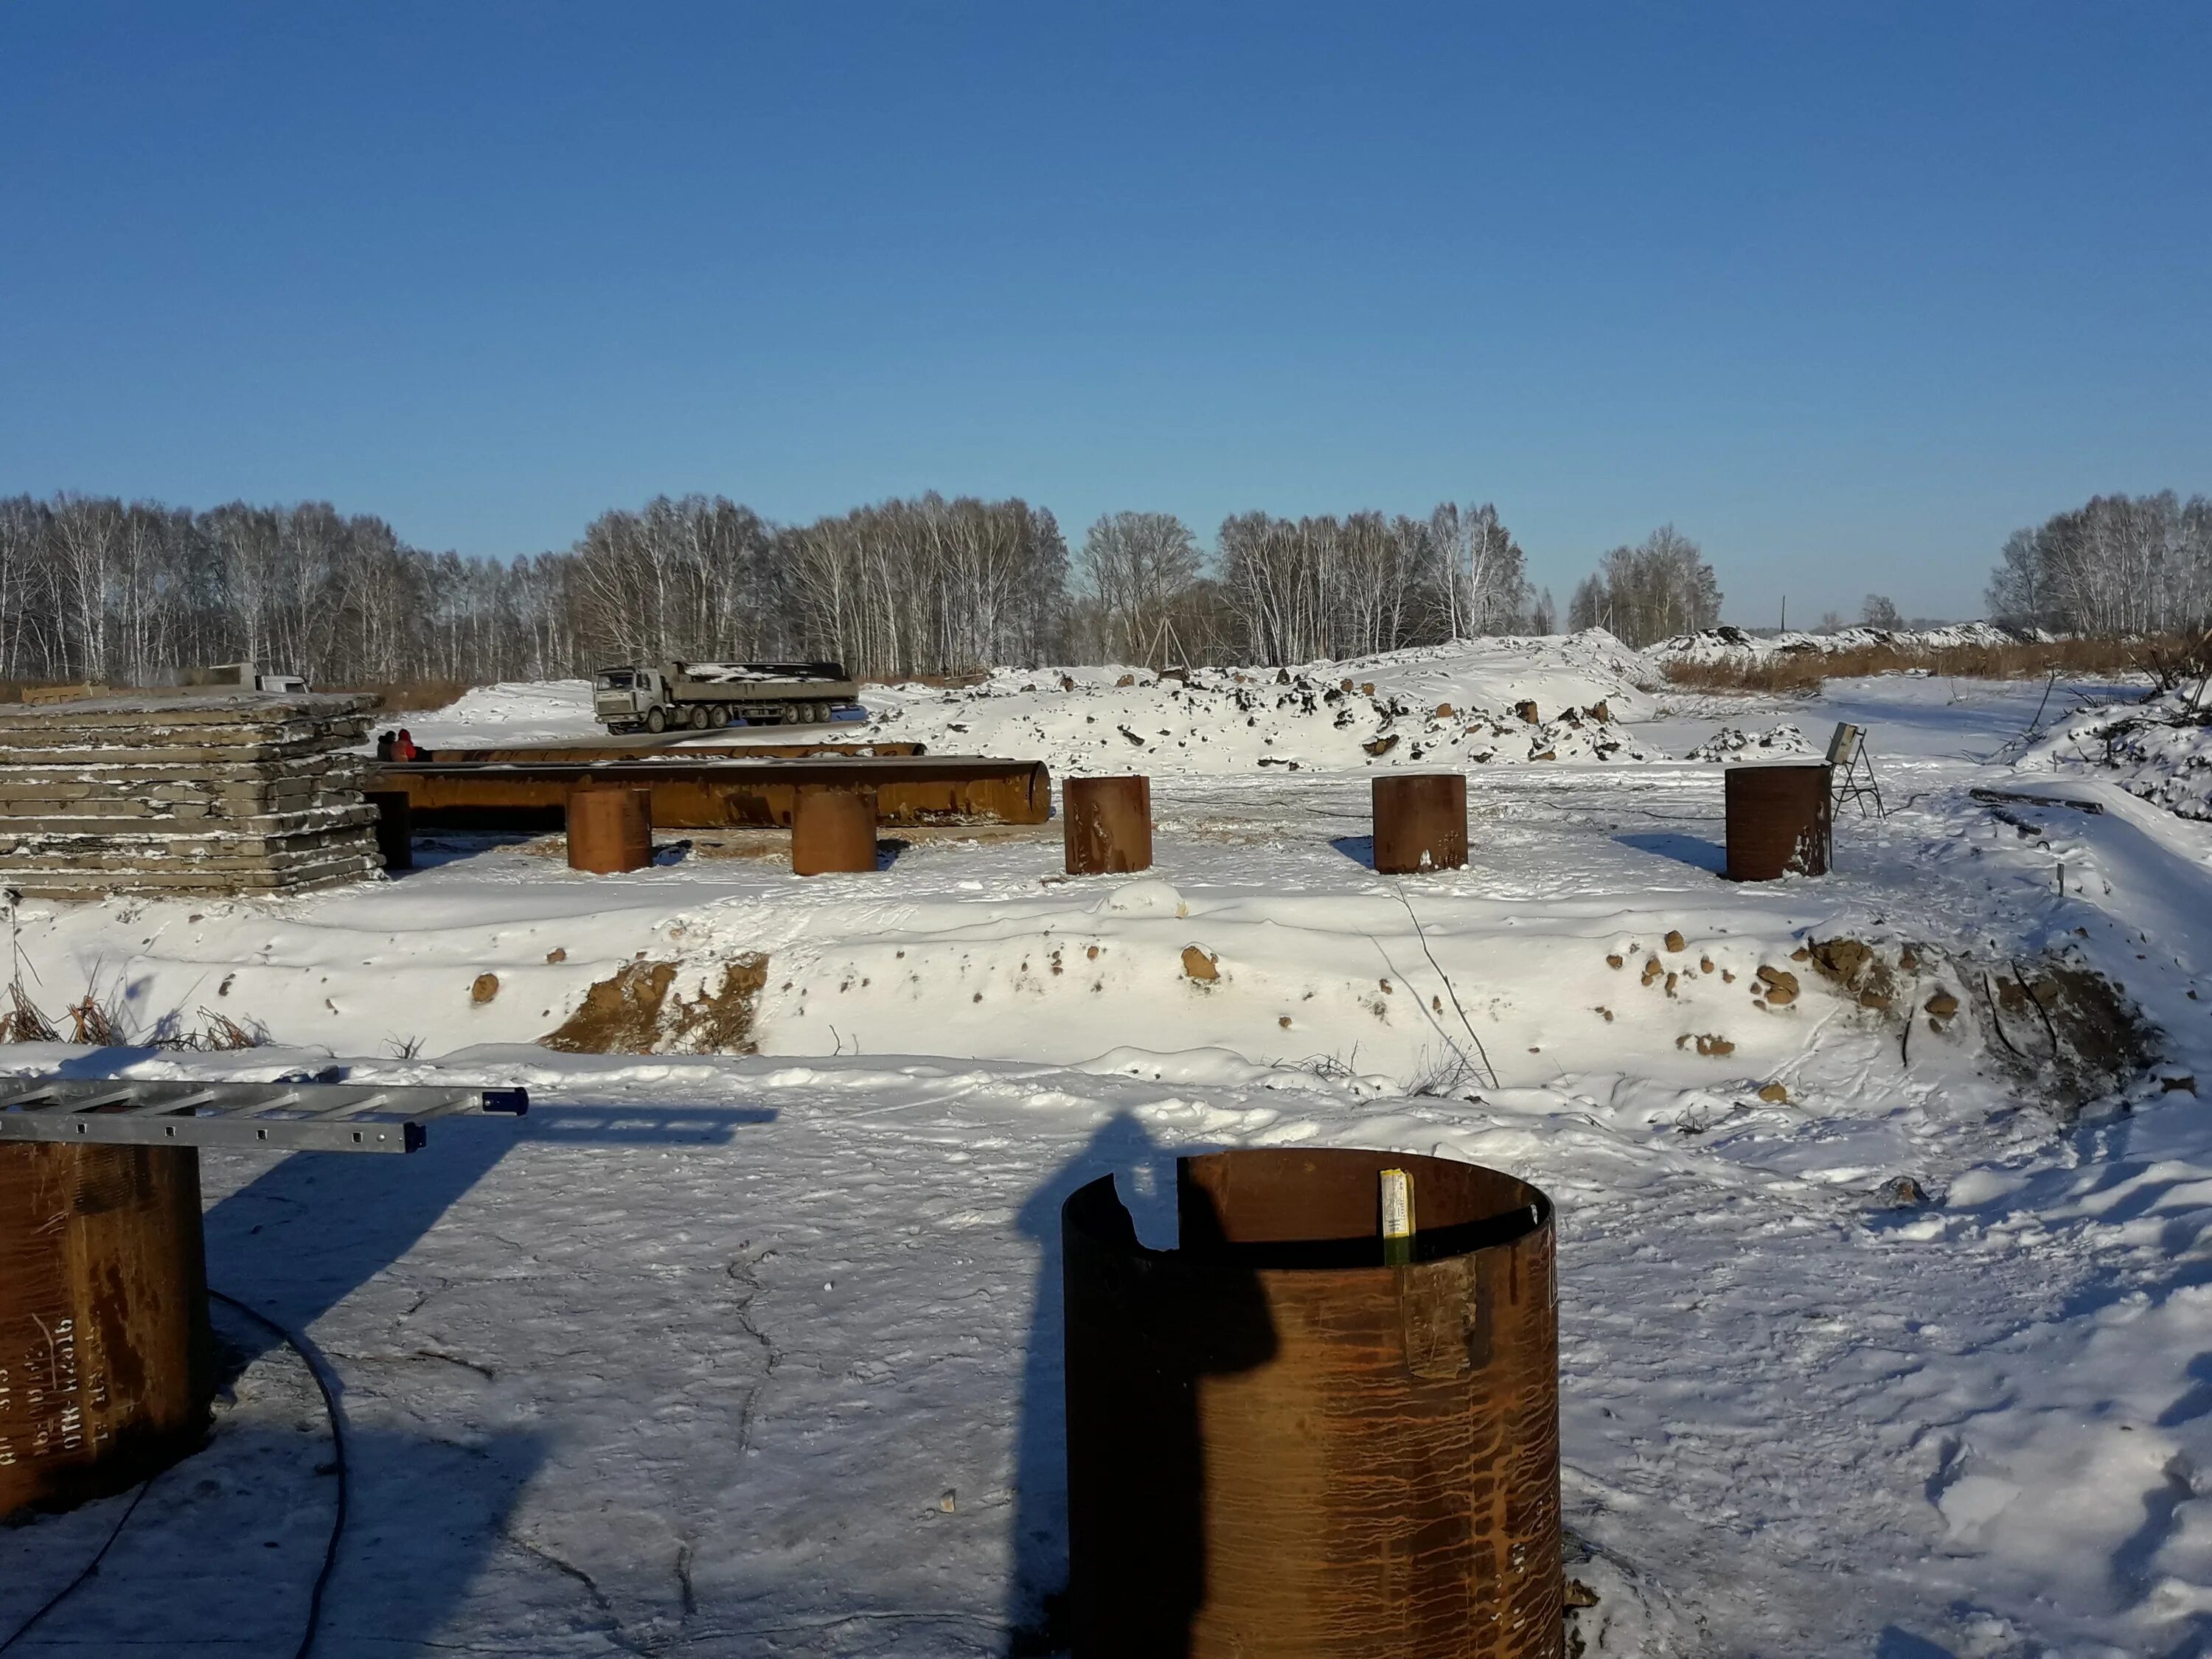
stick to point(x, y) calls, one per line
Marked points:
point(705, 696)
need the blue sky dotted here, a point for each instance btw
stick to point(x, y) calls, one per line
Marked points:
point(1845, 292)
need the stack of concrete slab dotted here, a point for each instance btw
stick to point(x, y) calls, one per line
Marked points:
point(154, 792)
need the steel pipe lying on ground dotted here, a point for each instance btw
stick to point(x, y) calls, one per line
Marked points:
point(715, 794)
point(672, 748)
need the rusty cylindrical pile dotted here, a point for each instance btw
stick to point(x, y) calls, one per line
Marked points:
point(833, 830)
point(1420, 821)
point(1781, 820)
point(1107, 824)
point(610, 829)
point(106, 1369)
point(395, 828)
point(1285, 1443)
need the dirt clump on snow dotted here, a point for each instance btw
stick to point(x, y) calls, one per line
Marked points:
point(620, 1015)
point(632, 1011)
point(720, 1021)
point(1855, 969)
point(485, 987)
point(2095, 1037)
point(1198, 965)
point(2063, 1029)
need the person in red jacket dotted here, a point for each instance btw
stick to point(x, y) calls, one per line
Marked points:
point(403, 746)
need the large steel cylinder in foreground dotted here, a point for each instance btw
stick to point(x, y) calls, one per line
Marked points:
point(1781, 820)
point(833, 830)
point(395, 828)
point(1107, 824)
point(1420, 821)
point(609, 828)
point(105, 1364)
point(1278, 1447)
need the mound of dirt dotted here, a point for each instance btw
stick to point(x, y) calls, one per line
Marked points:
point(2062, 1030)
point(632, 1012)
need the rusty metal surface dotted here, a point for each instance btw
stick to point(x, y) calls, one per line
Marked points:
point(1781, 820)
point(1420, 821)
point(610, 829)
point(1279, 1448)
point(716, 794)
point(832, 831)
point(676, 747)
point(105, 1367)
point(395, 828)
point(1107, 825)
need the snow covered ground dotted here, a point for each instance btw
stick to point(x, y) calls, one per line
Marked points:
point(2159, 750)
point(1726, 644)
point(757, 1354)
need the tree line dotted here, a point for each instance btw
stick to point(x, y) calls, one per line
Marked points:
point(1651, 592)
point(2120, 565)
point(94, 588)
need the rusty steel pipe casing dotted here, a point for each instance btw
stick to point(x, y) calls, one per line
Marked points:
point(1107, 824)
point(1781, 820)
point(610, 829)
point(832, 831)
point(106, 1364)
point(1278, 1447)
point(1420, 821)
point(395, 828)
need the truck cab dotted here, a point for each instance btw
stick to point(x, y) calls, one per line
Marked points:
point(625, 696)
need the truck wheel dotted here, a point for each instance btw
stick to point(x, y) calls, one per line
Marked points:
point(698, 717)
point(655, 721)
point(793, 715)
point(718, 715)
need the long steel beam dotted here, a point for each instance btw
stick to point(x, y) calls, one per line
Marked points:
point(320, 1117)
point(716, 794)
point(674, 747)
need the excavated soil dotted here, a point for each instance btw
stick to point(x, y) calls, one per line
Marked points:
point(634, 1012)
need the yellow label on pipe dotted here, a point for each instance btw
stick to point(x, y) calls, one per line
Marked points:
point(1397, 1217)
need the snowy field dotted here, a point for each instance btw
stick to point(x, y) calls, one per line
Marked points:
point(1884, 1199)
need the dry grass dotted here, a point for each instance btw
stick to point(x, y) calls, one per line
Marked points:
point(24, 1022)
point(93, 1025)
point(1802, 673)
